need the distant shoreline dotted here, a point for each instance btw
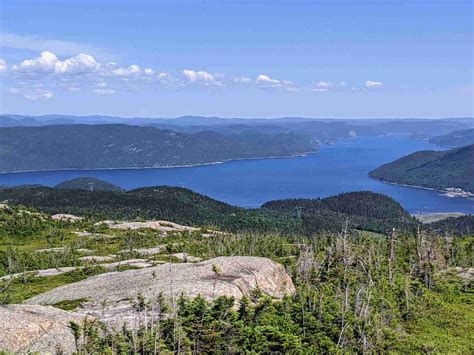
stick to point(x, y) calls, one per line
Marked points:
point(422, 187)
point(161, 167)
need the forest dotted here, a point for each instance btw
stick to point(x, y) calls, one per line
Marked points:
point(356, 291)
point(360, 210)
point(440, 170)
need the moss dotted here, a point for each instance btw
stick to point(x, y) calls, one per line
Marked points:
point(70, 305)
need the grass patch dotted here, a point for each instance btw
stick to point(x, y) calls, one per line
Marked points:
point(22, 288)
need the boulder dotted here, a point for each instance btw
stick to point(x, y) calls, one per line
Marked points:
point(34, 328)
point(110, 294)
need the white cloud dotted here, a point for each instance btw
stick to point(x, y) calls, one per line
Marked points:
point(74, 89)
point(148, 71)
point(3, 65)
point(104, 91)
point(48, 62)
point(373, 84)
point(320, 89)
point(132, 70)
point(162, 76)
point(201, 75)
point(265, 79)
point(81, 63)
point(266, 82)
point(32, 94)
point(102, 84)
point(324, 84)
point(242, 80)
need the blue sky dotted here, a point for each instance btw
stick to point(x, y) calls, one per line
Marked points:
point(331, 58)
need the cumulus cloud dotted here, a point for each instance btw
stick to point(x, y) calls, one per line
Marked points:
point(48, 62)
point(194, 76)
point(265, 79)
point(373, 84)
point(3, 65)
point(324, 84)
point(267, 82)
point(242, 80)
point(104, 91)
point(81, 63)
point(32, 94)
point(162, 76)
point(132, 70)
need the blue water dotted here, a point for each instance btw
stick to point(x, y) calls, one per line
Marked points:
point(334, 169)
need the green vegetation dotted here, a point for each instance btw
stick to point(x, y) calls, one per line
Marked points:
point(122, 146)
point(361, 210)
point(89, 184)
point(438, 170)
point(453, 226)
point(18, 289)
point(71, 304)
point(455, 139)
point(357, 291)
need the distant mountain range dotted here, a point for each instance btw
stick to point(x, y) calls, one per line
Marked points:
point(123, 146)
point(455, 139)
point(320, 128)
point(439, 170)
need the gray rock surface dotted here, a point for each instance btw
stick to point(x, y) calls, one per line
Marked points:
point(137, 263)
point(110, 294)
point(66, 217)
point(33, 328)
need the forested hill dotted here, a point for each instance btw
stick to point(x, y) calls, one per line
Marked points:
point(89, 184)
point(123, 146)
point(438, 170)
point(362, 210)
point(455, 139)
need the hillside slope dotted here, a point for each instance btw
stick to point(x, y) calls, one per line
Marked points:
point(361, 210)
point(455, 139)
point(122, 146)
point(439, 170)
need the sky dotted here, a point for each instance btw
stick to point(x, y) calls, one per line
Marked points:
point(237, 58)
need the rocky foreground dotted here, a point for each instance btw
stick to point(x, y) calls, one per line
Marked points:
point(108, 297)
point(32, 328)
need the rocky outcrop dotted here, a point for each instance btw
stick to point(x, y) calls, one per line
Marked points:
point(136, 263)
point(110, 294)
point(164, 226)
point(34, 328)
point(66, 217)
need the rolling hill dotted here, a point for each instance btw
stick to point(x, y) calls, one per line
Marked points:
point(438, 170)
point(122, 146)
point(455, 139)
point(361, 210)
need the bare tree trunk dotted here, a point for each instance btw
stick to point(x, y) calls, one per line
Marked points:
point(391, 258)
